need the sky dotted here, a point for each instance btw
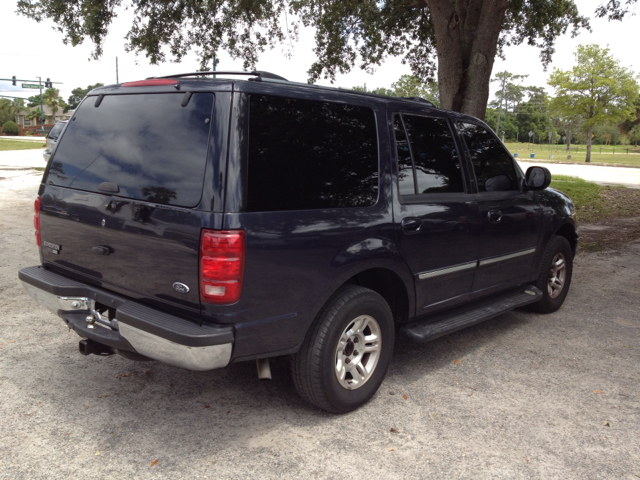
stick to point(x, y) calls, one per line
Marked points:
point(33, 49)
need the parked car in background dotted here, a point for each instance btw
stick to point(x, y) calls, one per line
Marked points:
point(202, 221)
point(52, 139)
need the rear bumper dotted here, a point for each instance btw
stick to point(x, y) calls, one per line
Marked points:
point(136, 327)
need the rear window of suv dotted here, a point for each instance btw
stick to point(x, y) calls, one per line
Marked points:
point(149, 145)
point(55, 131)
point(307, 154)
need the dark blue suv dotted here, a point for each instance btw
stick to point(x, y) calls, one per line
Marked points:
point(200, 221)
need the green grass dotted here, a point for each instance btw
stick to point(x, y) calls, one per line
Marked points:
point(8, 144)
point(542, 152)
point(596, 203)
point(585, 195)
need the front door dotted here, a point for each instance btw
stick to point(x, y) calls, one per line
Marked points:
point(436, 219)
point(509, 217)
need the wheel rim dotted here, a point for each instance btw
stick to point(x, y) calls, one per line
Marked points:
point(358, 352)
point(557, 275)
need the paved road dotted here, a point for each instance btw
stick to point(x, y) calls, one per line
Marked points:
point(522, 396)
point(22, 158)
point(27, 139)
point(629, 177)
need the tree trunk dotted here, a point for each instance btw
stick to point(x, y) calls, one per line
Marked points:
point(589, 132)
point(567, 132)
point(467, 32)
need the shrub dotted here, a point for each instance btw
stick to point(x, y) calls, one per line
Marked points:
point(10, 128)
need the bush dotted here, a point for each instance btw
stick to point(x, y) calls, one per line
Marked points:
point(10, 128)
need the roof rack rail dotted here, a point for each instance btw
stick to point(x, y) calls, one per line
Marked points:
point(419, 99)
point(255, 73)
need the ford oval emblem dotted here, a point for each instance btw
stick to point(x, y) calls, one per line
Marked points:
point(180, 287)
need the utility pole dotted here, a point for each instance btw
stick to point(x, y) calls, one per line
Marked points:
point(215, 62)
point(117, 79)
point(41, 107)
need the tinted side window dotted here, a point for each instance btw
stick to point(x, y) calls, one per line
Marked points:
point(405, 164)
point(149, 145)
point(435, 157)
point(310, 155)
point(435, 164)
point(492, 164)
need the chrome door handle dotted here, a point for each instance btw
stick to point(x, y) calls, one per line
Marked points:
point(494, 216)
point(411, 225)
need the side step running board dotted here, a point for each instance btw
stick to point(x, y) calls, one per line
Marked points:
point(434, 326)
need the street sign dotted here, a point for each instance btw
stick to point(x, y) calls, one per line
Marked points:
point(30, 85)
point(530, 133)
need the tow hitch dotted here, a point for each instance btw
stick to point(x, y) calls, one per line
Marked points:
point(88, 347)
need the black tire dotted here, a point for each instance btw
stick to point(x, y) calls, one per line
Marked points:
point(553, 298)
point(314, 366)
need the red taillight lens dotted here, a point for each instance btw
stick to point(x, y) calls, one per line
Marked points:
point(36, 220)
point(151, 82)
point(221, 265)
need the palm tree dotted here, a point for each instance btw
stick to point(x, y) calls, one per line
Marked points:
point(34, 115)
point(17, 105)
point(52, 98)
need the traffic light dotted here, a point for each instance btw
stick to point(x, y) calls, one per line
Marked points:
point(13, 80)
point(48, 83)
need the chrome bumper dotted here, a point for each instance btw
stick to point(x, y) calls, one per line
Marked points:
point(149, 332)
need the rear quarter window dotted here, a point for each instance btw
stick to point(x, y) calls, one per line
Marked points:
point(307, 154)
point(149, 145)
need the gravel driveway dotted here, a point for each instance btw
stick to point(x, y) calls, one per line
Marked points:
point(519, 396)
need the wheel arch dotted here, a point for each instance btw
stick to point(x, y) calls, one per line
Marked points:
point(389, 285)
point(568, 231)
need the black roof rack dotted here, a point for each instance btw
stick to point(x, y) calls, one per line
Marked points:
point(272, 77)
point(255, 73)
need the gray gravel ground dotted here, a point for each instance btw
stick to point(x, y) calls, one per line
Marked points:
point(520, 396)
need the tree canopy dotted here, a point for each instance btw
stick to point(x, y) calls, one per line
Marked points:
point(597, 89)
point(458, 38)
point(6, 113)
point(51, 97)
point(461, 36)
point(77, 94)
point(408, 86)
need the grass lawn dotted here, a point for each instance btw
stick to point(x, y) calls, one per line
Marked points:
point(596, 203)
point(542, 152)
point(8, 144)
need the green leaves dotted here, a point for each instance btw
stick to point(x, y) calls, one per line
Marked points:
point(77, 94)
point(597, 89)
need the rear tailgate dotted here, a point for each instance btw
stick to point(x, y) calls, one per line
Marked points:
point(120, 204)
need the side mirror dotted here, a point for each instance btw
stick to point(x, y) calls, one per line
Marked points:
point(537, 178)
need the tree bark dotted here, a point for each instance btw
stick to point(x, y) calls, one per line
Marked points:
point(467, 33)
point(589, 133)
point(567, 132)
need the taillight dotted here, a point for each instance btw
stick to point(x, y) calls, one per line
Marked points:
point(221, 265)
point(36, 220)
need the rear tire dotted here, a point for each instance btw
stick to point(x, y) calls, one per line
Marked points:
point(555, 275)
point(347, 351)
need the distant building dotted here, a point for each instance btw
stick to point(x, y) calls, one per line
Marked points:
point(34, 125)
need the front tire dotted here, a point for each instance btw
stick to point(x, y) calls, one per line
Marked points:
point(346, 353)
point(555, 275)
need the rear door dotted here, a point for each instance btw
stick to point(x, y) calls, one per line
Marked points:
point(436, 220)
point(122, 202)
